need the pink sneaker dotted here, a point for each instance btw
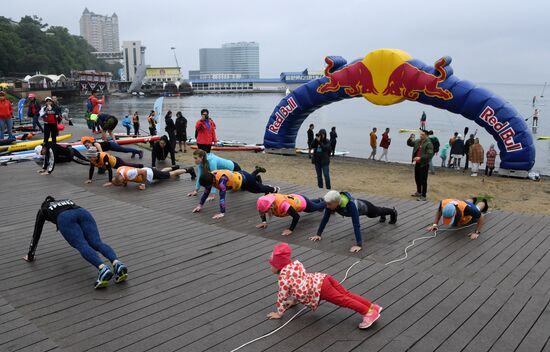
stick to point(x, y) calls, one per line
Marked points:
point(372, 316)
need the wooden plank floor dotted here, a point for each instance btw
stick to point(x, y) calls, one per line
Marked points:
point(197, 284)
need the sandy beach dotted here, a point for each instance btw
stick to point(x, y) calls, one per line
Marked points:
point(397, 180)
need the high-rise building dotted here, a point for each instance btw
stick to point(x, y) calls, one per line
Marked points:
point(134, 56)
point(100, 31)
point(236, 60)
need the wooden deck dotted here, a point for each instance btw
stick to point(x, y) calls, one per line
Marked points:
point(197, 284)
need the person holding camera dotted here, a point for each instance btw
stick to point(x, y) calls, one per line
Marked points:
point(321, 157)
point(205, 131)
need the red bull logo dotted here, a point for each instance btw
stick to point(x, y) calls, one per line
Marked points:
point(386, 77)
point(409, 81)
point(282, 114)
point(503, 129)
point(356, 79)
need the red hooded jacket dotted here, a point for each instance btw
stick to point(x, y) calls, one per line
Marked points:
point(205, 134)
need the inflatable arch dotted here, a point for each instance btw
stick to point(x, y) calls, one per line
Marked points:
point(389, 76)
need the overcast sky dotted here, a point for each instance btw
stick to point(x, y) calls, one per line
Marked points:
point(489, 41)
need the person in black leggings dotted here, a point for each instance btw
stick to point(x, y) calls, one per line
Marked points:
point(52, 116)
point(79, 229)
point(55, 153)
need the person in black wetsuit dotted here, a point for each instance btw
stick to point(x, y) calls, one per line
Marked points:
point(170, 129)
point(55, 153)
point(161, 149)
point(106, 161)
point(79, 229)
point(344, 204)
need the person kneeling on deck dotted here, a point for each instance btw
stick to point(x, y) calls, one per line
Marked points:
point(125, 174)
point(295, 286)
point(224, 180)
point(106, 161)
point(461, 213)
point(161, 149)
point(344, 204)
point(54, 153)
point(79, 229)
point(281, 205)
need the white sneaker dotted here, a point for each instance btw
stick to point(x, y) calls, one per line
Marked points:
point(474, 175)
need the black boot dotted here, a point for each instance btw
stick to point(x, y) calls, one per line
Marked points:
point(259, 178)
point(382, 218)
point(191, 171)
point(259, 169)
point(393, 217)
point(175, 167)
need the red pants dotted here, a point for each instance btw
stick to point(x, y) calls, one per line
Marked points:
point(332, 291)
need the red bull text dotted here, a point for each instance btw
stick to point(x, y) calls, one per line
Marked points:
point(504, 130)
point(282, 114)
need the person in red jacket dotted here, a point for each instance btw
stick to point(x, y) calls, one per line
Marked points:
point(6, 114)
point(95, 109)
point(205, 132)
point(385, 144)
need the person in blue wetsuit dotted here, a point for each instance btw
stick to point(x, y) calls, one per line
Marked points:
point(207, 162)
point(458, 213)
point(79, 229)
point(344, 204)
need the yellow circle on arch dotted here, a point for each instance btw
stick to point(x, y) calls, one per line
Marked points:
point(381, 63)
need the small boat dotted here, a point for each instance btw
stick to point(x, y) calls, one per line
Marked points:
point(244, 148)
point(336, 153)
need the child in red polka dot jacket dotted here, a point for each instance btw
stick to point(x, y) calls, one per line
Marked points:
point(297, 286)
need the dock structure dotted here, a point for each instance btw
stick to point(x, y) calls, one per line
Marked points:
point(197, 284)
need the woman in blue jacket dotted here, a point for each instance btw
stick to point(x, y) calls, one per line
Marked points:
point(209, 162)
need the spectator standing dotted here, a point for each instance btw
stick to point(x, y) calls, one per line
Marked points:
point(373, 140)
point(423, 121)
point(205, 131)
point(385, 144)
point(451, 142)
point(34, 112)
point(422, 153)
point(435, 142)
point(476, 156)
point(6, 115)
point(51, 114)
point(135, 122)
point(152, 123)
point(321, 157)
point(443, 154)
point(170, 130)
point(467, 146)
point(457, 151)
point(310, 139)
point(126, 122)
point(95, 105)
point(491, 158)
point(181, 131)
point(333, 137)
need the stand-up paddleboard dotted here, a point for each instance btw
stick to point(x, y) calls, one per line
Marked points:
point(30, 144)
point(336, 153)
point(244, 148)
point(544, 138)
point(121, 141)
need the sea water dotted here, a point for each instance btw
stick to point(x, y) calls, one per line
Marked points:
point(243, 117)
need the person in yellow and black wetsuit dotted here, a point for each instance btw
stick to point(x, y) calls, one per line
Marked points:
point(144, 175)
point(225, 180)
point(461, 213)
point(107, 161)
point(281, 205)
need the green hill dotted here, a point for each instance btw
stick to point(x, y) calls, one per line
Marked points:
point(30, 46)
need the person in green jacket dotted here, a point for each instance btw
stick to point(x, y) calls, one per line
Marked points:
point(423, 151)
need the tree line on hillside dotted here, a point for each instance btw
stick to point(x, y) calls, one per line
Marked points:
point(31, 46)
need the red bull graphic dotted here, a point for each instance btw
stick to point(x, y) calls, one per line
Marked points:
point(356, 79)
point(409, 81)
point(389, 76)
